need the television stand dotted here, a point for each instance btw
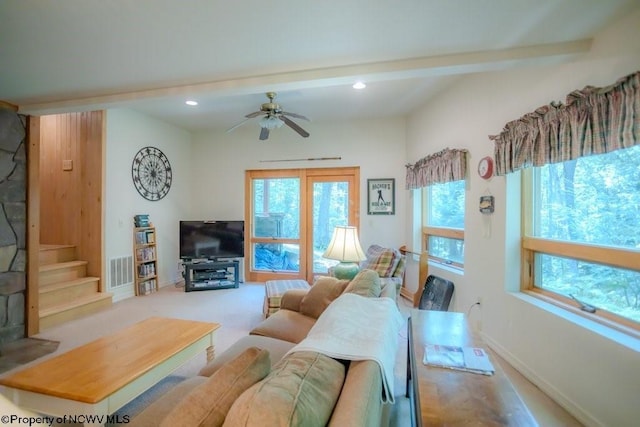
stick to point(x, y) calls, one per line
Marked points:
point(208, 275)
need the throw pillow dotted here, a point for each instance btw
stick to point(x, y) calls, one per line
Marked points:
point(366, 283)
point(402, 263)
point(321, 294)
point(381, 260)
point(208, 403)
point(301, 390)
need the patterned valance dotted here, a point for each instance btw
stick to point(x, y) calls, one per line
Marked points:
point(592, 121)
point(445, 166)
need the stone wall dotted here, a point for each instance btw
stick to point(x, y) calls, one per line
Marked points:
point(13, 219)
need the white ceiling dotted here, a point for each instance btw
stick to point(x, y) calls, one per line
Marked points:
point(151, 55)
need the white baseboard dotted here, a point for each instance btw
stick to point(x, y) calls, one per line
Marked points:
point(561, 399)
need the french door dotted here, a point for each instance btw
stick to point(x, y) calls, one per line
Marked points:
point(290, 216)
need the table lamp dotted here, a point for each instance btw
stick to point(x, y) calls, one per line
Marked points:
point(345, 247)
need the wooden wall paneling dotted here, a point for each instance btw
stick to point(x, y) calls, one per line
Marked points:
point(47, 189)
point(91, 201)
point(60, 138)
point(71, 200)
point(71, 141)
point(53, 219)
point(33, 226)
point(65, 203)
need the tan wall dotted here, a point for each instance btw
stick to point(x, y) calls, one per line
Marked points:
point(71, 181)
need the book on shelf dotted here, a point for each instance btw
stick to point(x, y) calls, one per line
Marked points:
point(141, 220)
point(145, 237)
point(145, 254)
point(145, 270)
point(468, 359)
point(141, 238)
point(145, 288)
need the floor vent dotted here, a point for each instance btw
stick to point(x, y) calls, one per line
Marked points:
point(120, 271)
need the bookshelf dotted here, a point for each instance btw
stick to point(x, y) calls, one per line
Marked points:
point(146, 260)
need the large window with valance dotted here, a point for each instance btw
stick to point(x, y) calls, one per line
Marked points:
point(441, 179)
point(581, 200)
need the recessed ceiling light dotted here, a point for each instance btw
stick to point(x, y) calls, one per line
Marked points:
point(192, 103)
point(359, 85)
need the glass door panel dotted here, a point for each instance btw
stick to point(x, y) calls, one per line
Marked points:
point(330, 208)
point(333, 200)
point(276, 224)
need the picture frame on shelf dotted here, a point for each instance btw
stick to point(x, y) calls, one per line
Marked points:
point(381, 196)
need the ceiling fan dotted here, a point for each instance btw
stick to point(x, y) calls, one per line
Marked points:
point(274, 118)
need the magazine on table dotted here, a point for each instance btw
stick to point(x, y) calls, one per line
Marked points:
point(469, 359)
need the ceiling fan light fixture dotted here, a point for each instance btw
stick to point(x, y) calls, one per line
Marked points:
point(191, 102)
point(359, 85)
point(270, 122)
point(273, 117)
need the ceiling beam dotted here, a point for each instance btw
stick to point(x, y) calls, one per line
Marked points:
point(453, 64)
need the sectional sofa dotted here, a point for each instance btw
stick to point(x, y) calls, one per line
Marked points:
point(278, 376)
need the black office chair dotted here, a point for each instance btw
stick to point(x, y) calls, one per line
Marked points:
point(436, 294)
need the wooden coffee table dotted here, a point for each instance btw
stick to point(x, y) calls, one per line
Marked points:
point(100, 377)
point(444, 397)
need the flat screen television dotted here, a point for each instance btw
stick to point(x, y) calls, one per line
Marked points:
point(211, 239)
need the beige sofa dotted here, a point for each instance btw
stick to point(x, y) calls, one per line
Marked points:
point(299, 388)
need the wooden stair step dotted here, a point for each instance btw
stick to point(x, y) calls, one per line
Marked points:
point(53, 254)
point(60, 292)
point(62, 271)
point(61, 265)
point(74, 309)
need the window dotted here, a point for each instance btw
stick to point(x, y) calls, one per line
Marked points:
point(581, 242)
point(443, 233)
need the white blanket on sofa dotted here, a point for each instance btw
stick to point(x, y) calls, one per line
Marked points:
point(358, 328)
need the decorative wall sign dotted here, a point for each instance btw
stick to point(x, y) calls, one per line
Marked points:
point(381, 196)
point(486, 204)
point(151, 172)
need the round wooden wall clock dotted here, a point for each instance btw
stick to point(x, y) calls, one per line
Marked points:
point(151, 172)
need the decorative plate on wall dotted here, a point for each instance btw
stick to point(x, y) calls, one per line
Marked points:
point(151, 172)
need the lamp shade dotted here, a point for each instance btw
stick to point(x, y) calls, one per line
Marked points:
point(344, 245)
point(270, 122)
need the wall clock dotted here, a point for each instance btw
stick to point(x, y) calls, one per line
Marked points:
point(485, 167)
point(151, 172)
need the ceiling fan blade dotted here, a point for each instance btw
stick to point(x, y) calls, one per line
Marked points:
point(297, 116)
point(294, 126)
point(264, 134)
point(255, 114)
point(238, 125)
